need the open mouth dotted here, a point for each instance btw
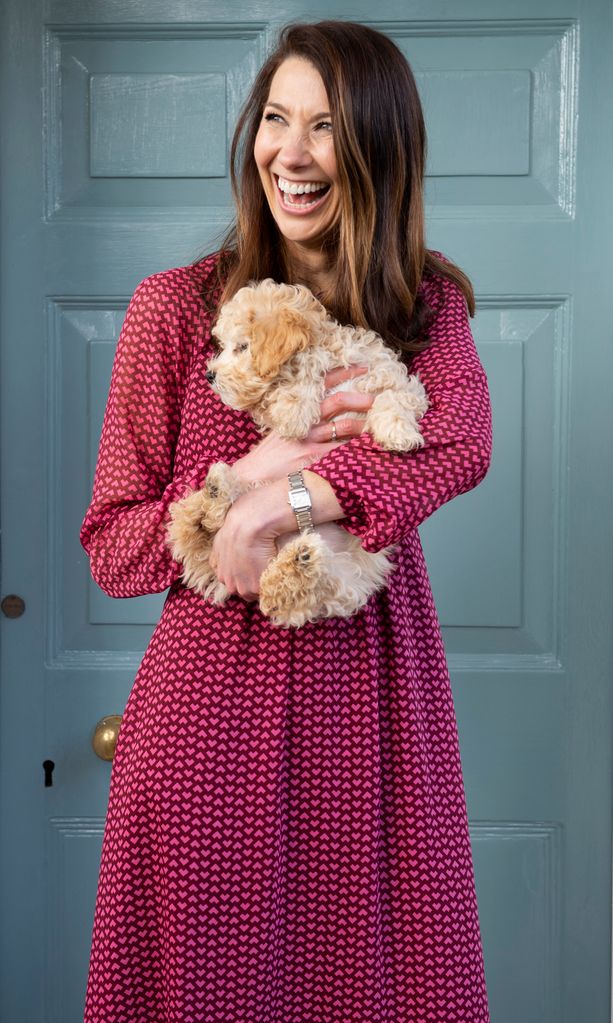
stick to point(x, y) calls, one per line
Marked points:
point(303, 201)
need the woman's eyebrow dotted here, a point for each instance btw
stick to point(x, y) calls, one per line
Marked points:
point(279, 106)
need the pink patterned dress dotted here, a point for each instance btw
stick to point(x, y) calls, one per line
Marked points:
point(286, 838)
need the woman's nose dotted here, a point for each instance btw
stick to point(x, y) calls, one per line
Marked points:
point(295, 150)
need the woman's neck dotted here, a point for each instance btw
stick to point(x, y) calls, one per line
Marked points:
point(310, 267)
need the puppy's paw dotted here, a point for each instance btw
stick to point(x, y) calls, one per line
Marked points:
point(189, 535)
point(215, 591)
point(392, 420)
point(222, 484)
point(291, 584)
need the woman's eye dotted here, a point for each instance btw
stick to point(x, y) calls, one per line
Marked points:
point(326, 126)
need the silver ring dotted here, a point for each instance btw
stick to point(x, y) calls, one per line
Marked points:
point(333, 437)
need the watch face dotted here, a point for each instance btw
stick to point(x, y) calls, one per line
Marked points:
point(299, 499)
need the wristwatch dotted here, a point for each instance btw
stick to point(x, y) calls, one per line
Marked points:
point(300, 500)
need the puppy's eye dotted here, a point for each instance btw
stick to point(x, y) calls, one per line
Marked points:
point(242, 346)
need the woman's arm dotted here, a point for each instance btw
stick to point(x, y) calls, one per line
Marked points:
point(246, 542)
point(386, 494)
point(124, 529)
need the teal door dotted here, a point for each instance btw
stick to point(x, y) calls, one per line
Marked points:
point(116, 118)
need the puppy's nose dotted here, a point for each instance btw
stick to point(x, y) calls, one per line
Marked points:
point(210, 375)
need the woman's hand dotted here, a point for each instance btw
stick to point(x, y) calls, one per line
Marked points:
point(248, 537)
point(245, 543)
point(274, 457)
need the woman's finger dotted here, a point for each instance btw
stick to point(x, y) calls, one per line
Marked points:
point(343, 428)
point(345, 401)
point(342, 373)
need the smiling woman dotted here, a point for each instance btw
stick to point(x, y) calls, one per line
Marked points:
point(286, 836)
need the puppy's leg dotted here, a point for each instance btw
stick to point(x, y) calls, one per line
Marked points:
point(393, 417)
point(352, 576)
point(194, 520)
point(290, 583)
point(190, 542)
point(309, 580)
point(221, 489)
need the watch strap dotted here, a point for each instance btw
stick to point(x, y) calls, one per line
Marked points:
point(302, 508)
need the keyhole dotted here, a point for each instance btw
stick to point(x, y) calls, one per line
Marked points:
point(48, 766)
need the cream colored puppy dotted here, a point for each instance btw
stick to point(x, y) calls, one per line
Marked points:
point(277, 343)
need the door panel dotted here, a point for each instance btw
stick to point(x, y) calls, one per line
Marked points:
point(116, 123)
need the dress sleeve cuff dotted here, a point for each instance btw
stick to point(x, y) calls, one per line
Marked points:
point(335, 469)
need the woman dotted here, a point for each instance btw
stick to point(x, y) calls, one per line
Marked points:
point(286, 838)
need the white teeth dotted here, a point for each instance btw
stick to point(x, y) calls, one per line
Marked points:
point(300, 189)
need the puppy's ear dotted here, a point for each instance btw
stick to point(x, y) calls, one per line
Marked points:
point(276, 339)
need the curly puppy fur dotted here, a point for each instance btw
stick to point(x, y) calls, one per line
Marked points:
point(277, 342)
point(194, 520)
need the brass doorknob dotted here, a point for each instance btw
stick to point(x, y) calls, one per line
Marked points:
point(104, 739)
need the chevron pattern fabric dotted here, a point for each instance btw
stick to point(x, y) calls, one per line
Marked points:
point(286, 838)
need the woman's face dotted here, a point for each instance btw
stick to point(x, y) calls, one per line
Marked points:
point(294, 153)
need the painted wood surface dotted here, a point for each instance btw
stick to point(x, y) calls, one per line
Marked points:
point(116, 121)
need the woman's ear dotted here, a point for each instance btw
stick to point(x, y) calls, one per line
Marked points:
point(275, 339)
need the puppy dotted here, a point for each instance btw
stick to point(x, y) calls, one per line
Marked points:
point(277, 342)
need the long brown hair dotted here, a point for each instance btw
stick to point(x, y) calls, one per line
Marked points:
point(377, 244)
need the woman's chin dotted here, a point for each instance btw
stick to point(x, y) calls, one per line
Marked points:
point(307, 239)
point(299, 232)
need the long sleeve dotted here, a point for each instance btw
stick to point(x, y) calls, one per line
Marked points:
point(124, 529)
point(387, 494)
